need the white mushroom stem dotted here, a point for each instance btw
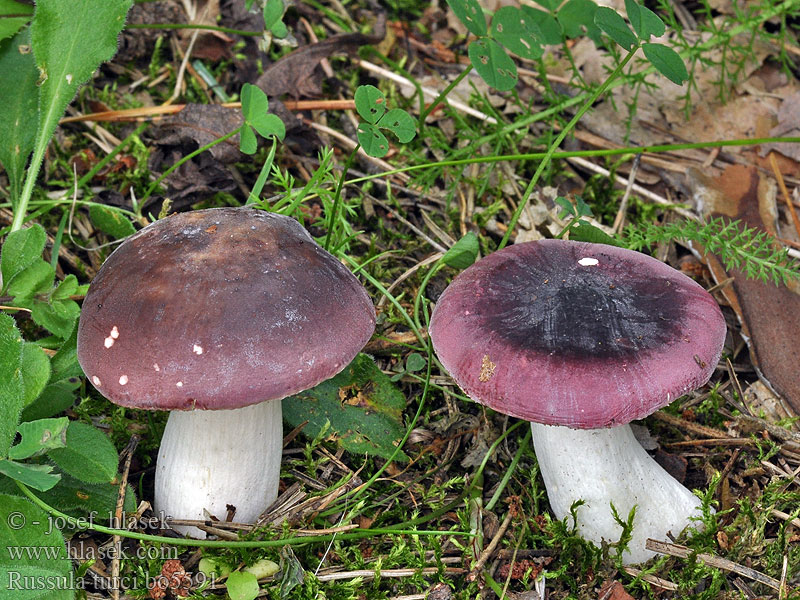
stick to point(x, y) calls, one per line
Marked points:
point(605, 466)
point(210, 459)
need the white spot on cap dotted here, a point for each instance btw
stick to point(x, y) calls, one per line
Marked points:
point(108, 342)
point(123, 379)
point(179, 384)
point(114, 332)
point(156, 367)
point(96, 381)
point(588, 262)
point(197, 349)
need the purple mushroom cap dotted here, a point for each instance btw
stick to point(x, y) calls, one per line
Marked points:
point(576, 334)
point(219, 309)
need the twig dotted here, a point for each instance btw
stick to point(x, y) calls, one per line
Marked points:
point(712, 561)
point(787, 198)
point(487, 553)
point(394, 573)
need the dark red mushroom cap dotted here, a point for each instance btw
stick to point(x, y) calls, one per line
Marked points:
point(219, 309)
point(576, 334)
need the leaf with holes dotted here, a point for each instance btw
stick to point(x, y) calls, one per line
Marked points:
point(577, 19)
point(372, 140)
point(518, 32)
point(493, 64)
point(39, 436)
point(615, 27)
point(370, 103)
point(644, 21)
point(400, 123)
point(470, 13)
point(547, 24)
point(361, 405)
point(667, 62)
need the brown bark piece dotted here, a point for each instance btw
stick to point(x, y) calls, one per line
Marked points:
point(769, 314)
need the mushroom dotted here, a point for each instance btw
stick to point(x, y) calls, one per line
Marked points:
point(216, 315)
point(580, 339)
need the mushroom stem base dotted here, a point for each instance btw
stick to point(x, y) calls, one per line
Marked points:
point(605, 466)
point(210, 459)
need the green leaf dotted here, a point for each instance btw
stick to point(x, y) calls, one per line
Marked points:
point(35, 279)
point(517, 31)
point(273, 11)
point(13, 17)
point(35, 370)
point(70, 40)
point(583, 231)
point(12, 397)
point(67, 288)
point(615, 27)
point(493, 64)
point(547, 24)
point(57, 316)
point(400, 123)
point(415, 362)
point(550, 5)
point(19, 99)
point(89, 455)
point(577, 18)
point(372, 140)
point(65, 362)
point(40, 436)
point(39, 477)
point(268, 125)
point(55, 398)
point(370, 103)
point(644, 21)
point(242, 586)
point(32, 551)
point(279, 30)
point(110, 221)
point(247, 140)
point(667, 62)
point(254, 102)
point(470, 13)
point(364, 409)
point(20, 250)
point(463, 253)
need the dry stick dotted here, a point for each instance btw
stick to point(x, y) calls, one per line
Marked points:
point(116, 541)
point(712, 561)
point(395, 573)
point(787, 198)
point(487, 553)
point(619, 220)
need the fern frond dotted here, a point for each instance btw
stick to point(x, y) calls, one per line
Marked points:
point(738, 246)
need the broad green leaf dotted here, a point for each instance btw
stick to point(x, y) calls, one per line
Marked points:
point(644, 21)
point(547, 24)
point(273, 11)
point(19, 99)
point(70, 40)
point(110, 221)
point(517, 31)
point(463, 253)
point(370, 103)
point(88, 456)
point(550, 5)
point(615, 27)
point(32, 551)
point(57, 316)
point(242, 585)
point(268, 125)
point(364, 409)
point(248, 143)
point(493, 64)
point(577, 19)
point(400, 123)
point(35, 279)
point(279, 30)
point(667, 62)
point(13, 17)
point(39, 477)
point(35, 372)
point(12, 397)
point(372, 140)
point(40, 436)
point(55, 398)
point(64, 364)
point(254, 102)
point(66, 288)
point(470, 13)
point(415, 362)
point(20, 250)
